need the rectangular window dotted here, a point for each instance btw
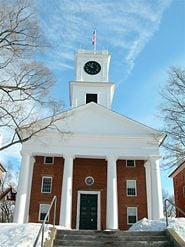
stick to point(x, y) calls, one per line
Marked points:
point(48, 160)
point(43, 211)
point(183, 190)
point(90, 97)
point(131, 188)
point(131, 215)
point(182, 176)
point(46, 184)
point(130, 163)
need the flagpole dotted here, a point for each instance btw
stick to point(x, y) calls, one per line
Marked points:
point(95, 41)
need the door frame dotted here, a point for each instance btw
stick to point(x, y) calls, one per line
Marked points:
point(98, 206)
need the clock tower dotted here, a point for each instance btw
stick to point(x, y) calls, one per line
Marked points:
point(92, 79)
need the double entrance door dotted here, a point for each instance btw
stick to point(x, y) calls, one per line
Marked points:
point(88, 211)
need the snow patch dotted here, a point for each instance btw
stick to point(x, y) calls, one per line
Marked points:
point(24, 235)
point(178, 224)
point(20, 235)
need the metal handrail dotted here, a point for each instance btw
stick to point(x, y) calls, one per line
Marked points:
point(54, 200)
point(173, 204)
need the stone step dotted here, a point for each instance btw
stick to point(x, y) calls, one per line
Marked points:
point(115, 238)
point(110, 233)
point(113, 244)
point(88, 238)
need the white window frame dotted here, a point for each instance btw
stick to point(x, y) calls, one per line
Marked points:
point(98, 193)
point(46, 163)
point(128, 215)
point(131, 166)
point(40, 206)
point(43, 183)
point(135, 182)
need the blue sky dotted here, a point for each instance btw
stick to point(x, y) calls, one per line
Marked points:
point(144, 37)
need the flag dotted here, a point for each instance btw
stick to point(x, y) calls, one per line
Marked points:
point(94, 38)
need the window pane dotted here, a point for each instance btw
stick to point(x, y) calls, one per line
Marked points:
point(131, 219)
point(46, 185)
point(91, 98)
point(42, 216)
point(132, 211)
point(132, 215)
point(43, 211)
point(48, 160)
point(130, 163)
point(131, 187)
point(131, 192)
point(131, 183)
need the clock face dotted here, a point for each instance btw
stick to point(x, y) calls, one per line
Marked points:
point(92, 67)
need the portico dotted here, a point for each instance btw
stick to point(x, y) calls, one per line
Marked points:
point(66, 216)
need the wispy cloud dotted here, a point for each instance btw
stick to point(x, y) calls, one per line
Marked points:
point(122, 25)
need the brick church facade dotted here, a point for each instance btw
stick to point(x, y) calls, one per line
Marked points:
point(104, 169)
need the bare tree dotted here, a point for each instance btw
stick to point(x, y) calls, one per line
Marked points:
point(8, 184)
point(173, 113)
point(24, 82)
point(170, 209)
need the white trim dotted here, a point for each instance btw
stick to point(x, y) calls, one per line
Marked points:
point(46, 163)
point(131, 166)
point(42, 184)
point(87, 179)
point(98, 193)
point(40, 205)
point(128, 215)
point(135, 187)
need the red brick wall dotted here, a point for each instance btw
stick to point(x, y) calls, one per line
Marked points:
point(56, 172)
point(178, 183)
point(97, 168)
point(140, 201)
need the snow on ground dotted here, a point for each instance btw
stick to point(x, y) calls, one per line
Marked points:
point(24, 235)
point(178, 224)
point(19, 235)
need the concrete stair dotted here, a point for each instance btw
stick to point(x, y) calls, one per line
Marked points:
point(89, 238)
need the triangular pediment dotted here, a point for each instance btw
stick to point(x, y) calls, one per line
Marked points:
point(94, 119)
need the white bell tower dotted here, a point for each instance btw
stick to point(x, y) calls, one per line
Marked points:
point(92, 79)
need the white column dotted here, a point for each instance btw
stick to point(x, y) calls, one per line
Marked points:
point(157, 204)
point(23, 190)
point(148, 189)
point(112, 194)
point(29, 184)
point(66, 196)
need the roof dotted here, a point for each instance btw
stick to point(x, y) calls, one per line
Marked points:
point(179, 168)
point(2, 168)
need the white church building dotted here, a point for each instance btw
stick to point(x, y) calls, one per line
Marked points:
point(102, 166)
